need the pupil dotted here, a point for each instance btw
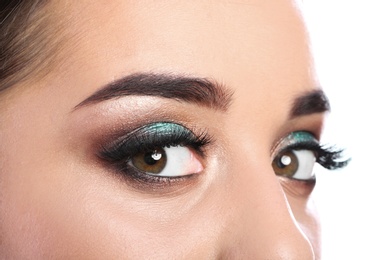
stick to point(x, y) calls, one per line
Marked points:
point(152, 161)
point(152, 158)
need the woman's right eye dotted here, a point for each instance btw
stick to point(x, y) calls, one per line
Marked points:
point(160, 150)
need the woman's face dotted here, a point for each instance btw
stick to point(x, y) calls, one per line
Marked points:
point(162, 163)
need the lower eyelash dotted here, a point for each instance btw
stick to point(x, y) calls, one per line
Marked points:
point(148, 179)
point(150, 183)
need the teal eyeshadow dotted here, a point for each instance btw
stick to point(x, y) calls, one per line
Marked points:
point(163, 127)
point(302, 137)
point(298, 137)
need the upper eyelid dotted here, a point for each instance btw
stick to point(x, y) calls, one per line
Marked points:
point(330, 154)
point(278, 145)
point(127, 134)
point(183, 134)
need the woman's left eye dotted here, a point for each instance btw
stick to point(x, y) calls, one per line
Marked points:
point(299, 151)
point(167, 162)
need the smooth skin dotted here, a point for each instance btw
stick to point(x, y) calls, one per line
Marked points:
point(58, 202)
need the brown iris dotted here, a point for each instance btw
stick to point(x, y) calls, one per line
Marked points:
point(151, 161)
point(285, 164)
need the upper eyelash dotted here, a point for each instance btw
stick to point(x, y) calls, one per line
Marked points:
point(131, 144)
point(328, 157)
point(122, 150)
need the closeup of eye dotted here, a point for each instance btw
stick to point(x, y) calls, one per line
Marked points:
point(157, 152)
point(297, 154)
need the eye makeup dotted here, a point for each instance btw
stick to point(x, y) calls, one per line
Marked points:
point(163, 153)
point(295, 155)
point(150, 144)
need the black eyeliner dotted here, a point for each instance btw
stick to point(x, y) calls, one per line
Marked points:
point(328, 157)
point(148, 138)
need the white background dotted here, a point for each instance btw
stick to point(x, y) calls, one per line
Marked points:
point(351, 41)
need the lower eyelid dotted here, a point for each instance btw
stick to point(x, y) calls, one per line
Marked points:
point(157, 185)
point(297, 188)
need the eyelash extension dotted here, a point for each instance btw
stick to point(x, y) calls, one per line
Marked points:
point(328, 157)
point(147, 138)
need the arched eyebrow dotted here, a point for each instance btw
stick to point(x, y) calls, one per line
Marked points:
point(310, 103)
point(201, 91)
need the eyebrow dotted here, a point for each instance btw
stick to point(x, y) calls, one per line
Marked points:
point(200, 91)
point(310, 103)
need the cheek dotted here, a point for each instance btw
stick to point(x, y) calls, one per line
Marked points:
point(38, 190)
point(307, 217)
point(51, 211)
point(61, 208)
point(34, 205)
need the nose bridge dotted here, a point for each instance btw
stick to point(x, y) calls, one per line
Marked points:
point(265, 226)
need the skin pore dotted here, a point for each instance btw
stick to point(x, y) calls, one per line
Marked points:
point(60, 195)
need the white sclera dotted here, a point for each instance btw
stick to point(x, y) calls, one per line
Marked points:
point(306, 160)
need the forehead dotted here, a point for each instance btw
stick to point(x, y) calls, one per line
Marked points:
point(240, 43)
point(156, 29)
